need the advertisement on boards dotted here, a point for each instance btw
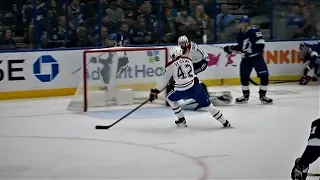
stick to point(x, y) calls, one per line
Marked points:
point(132, 66)
point(22, 71)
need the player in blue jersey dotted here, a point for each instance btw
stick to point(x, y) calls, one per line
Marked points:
point(310, 154)
point(251, 44)
point(310, 54)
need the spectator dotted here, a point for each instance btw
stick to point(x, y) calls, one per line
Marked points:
point(104, 37)
point(124, 31)
point(6, 41)
point(224, 19)
point(295, 18)
point(28, 19)
point(201, 17)
point(74, 9)
point(169, 27)
point(209, 8)
point(115, 13)
point(60, 32)
point(52, 8)
point(171, 9)
point(193, 32)
point(141, 34)
point(210, 31)
point(308, 28)
point(129, 20)
point(148, 18)
point(81, 39)
point(184, 18)
point(229, 33)
point(180, 4)
point(155, 35)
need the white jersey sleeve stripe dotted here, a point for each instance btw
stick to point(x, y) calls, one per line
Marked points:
point(184, 85)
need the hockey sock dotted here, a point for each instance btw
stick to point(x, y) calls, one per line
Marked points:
point(245, 90)
point(176, 109)
point(264, 81)
point(216, 114)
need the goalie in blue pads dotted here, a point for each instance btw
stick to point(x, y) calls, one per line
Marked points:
point(186, 86)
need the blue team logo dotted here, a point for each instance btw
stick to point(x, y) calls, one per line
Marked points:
point(153, 56)
point(46, 68)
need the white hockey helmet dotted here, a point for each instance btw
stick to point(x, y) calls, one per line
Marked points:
point(183, 41)
point(175, 52)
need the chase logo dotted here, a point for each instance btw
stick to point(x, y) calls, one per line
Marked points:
point(153, 56)
point(46, 68)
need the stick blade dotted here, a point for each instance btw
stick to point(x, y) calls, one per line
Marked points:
point(102, 127)
point(313, 174)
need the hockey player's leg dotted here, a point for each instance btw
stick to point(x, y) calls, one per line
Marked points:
point(245, 71)
point(203, 100)
point(172, 99)
point(262, 72)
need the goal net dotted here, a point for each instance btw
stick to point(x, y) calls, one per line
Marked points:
point(120, 72)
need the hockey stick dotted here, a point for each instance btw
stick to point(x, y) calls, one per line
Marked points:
point(116, 122)
point(109, 126)
point(313, 174)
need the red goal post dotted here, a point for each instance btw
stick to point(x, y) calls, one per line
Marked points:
point(106, 71)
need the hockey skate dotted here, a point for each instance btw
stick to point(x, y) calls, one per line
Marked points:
point(181, 122)
point(264, 99)
point(227, 124)
point(243, 99)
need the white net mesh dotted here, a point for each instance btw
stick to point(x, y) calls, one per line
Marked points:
point(109, 70)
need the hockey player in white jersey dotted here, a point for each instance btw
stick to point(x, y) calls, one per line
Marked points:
point(186, 86)
point(192, 50)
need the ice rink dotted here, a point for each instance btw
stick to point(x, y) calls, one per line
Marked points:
point(40, 139)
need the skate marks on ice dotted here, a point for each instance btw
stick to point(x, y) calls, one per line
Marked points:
point(67, 157)
point(149, 113)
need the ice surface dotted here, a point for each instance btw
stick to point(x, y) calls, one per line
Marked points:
point(40, 139)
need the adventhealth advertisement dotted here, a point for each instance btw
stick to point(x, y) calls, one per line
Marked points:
point(132, 67)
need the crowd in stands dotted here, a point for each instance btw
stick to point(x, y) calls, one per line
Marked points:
point(87, 23)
